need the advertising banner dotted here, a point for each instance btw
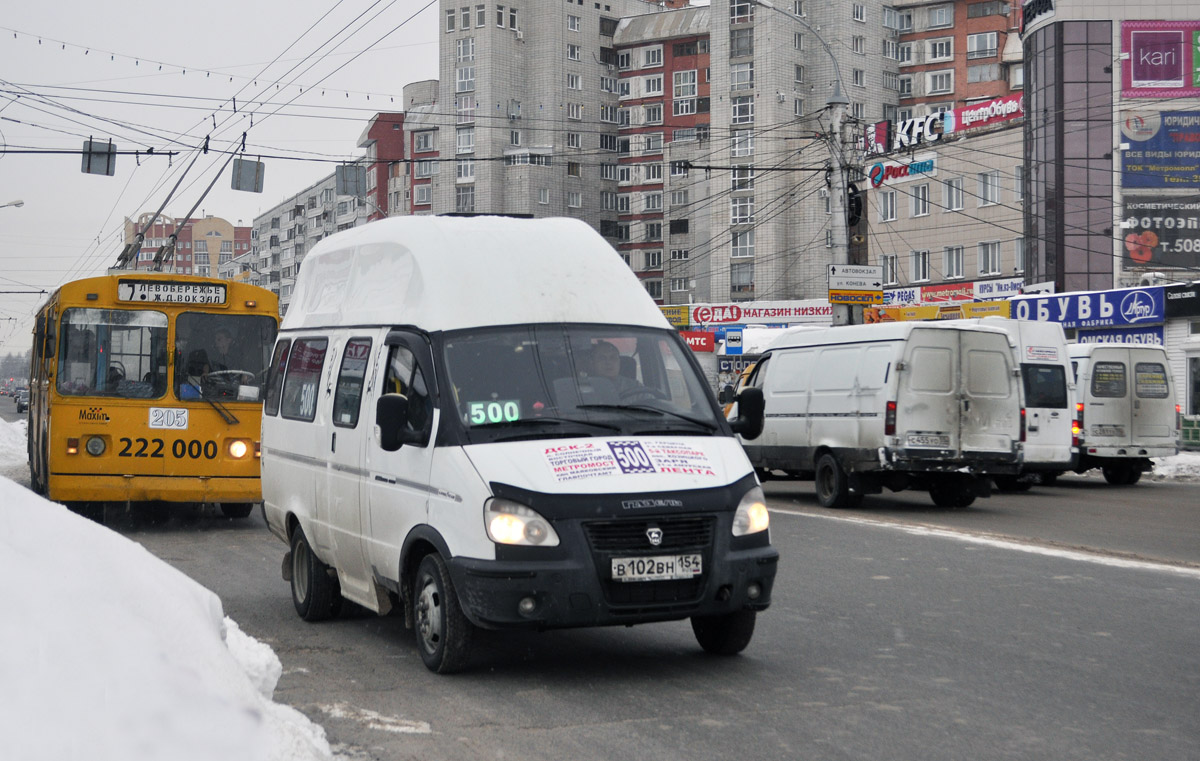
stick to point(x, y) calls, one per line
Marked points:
point(932, 294)
point(1164, 149)
point(1161, 60)
point(984, 114)
point(952, 311)
point(896, 172)
point(998, 289)
point(1162, 231)
point(699, 340)
point(898, 296)
point(1096, 309)
point(1150, 336)
point(763, 312)
point(676, 315)
point(1182, 300)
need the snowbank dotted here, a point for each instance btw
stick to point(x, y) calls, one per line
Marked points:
point(109, 654)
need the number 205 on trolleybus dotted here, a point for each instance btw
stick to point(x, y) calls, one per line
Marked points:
point(148, 387)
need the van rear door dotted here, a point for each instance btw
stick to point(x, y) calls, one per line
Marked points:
point(1153, 407)
point(927, 403)
point(991, 406)
point(1108, 413)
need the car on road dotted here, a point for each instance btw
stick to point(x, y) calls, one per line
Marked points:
point(22, 399)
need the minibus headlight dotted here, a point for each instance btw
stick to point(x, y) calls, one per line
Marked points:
point(238, 449)
point(95, 446)
point(751, 516)
point(510, 522)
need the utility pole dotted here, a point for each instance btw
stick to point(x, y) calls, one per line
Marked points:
point(842, 313)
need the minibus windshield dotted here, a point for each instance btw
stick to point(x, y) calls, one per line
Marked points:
point(538, 381)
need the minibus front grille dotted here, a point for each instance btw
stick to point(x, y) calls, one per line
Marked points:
point(624, 538)
point(633, 535)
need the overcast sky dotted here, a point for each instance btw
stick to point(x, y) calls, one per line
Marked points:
point(68, 73)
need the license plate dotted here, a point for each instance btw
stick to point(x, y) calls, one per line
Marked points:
point(657, 568)
point(928, 440)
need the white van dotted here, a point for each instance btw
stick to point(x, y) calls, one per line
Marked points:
point(489, 422)
point(1125, 403)
point(904, 405)
point(1048, 389)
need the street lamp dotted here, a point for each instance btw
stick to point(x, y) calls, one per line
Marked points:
point(836, 103)
point(12, 203)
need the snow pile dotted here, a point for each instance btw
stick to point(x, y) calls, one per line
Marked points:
point(109, 654)
point(12, 444)
point(1184, 466)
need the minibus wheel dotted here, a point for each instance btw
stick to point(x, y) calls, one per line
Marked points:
point(831, 484)
point(1125, 474)
point(951, 493)
point(727, 634)
point(443, 632)
point(315, 590)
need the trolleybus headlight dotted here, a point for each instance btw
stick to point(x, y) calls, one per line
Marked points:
point(238, 449)
point(751, 516)
point(513, 523)
point(95, 446)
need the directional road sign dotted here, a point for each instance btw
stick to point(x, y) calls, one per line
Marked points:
point(855, 277)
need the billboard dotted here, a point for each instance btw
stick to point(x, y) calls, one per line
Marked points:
point(1094, 309)
point(1164, 149)
point(1161, 231)
point(1159, 59)
point(984, 114)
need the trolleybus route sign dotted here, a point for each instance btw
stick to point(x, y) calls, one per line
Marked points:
point(171, 292)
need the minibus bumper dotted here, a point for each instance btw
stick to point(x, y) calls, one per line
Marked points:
point(949, 461)
point(578, 590)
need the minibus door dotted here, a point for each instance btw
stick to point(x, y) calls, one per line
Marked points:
point(1153, 413)
point(344, 451)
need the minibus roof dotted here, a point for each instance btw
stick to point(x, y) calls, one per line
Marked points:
point(447, 273)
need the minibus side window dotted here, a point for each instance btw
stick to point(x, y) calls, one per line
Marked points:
point(303, 379)
point(347, 397)
point(404, 377)
point(275, 376)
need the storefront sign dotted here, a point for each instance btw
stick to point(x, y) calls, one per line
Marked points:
point(1131, 306)
point(1182, 300)
point(1159, 59)
point(676, 315)
point(932, 294)
point(1162, 231)
point(1151, 336)
point(699, 340)
point(985, 114)
point(897, 296)
point(894, 172)
point(763, 312)
point(998, 289)
point(1164, 149)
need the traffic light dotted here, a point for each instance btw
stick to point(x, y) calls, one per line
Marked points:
point(854, 205)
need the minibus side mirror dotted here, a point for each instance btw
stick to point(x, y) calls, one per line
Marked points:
point(393, 421)
point(751, 406)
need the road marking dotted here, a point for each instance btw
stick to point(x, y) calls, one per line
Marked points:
point(1006, 543)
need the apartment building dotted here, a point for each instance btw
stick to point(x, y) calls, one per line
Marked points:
point(201, 245)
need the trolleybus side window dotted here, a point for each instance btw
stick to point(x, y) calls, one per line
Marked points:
point(347, 397)
point(302, 380)
point(275, 377)
point(113, 352)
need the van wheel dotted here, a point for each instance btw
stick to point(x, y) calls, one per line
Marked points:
point(236, 509)
point(832, 486)
point(724, 635)
point(443, 632)
point(315, 590)
point(1121, 475)
point(1049, 478)
point(951, 493)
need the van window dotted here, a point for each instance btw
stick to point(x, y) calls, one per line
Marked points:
point(303, 378)
point(275, 376)
point(404, 377)
point(1045, 386)
point(931, 370)
point(1108, 380)
point(1150, 380)
point(347, 397)
point(987, 373)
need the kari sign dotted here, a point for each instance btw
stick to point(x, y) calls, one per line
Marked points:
point(1164, 149)
point(1160, 59)
point(1100, 309)
point(984, 114)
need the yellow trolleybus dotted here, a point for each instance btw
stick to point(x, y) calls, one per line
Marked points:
point(148, 387)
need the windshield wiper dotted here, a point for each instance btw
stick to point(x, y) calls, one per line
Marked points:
point(646, 408)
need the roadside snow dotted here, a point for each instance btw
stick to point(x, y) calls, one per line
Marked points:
point(108, 653)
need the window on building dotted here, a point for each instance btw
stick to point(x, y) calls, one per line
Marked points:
point(423, 141)
point(653, 231)
point(464, 198)
point(742, 178)
point(679, 254)
point(500, 16)
point(654, 114)
point(798, 107)
point(904, 53)
point(575, 111)
point(1019, 256)
point(905, 86)
point(543, 196)
point(679, 284)
point(465, 170)
point(858, 11)
point(889, 269)
point(920, 200)
point(465, 49)
point(684, 84)
point(450, 16)
point(941, 49)
point(574, 169)
point(741, 210)
point(465, 140)
point(989, 258)
point(574, 51)
point(920, 266)
point(742, 244)
point(887, 205)
point(952, 265)
point(574, 199)
point(652, 201)
point(465, 79)
point(1019, 182)
point(465, 108)
point(741, 277)
point(938, 82)
point(742, 107)
point(989, 188)
point(653, 260)
point(679, 198)
point(798, 7)
point(859, 77)
point(679, 169)
point(574, 140)
point(741, 76)
point(741, 143)
point(741, 42)
point(941, 16)
point(987, 72)
point(858, 44)
point(422, 195)
point(981, 45)
point(952, 194)
point(574, 81)
point(741, 11)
